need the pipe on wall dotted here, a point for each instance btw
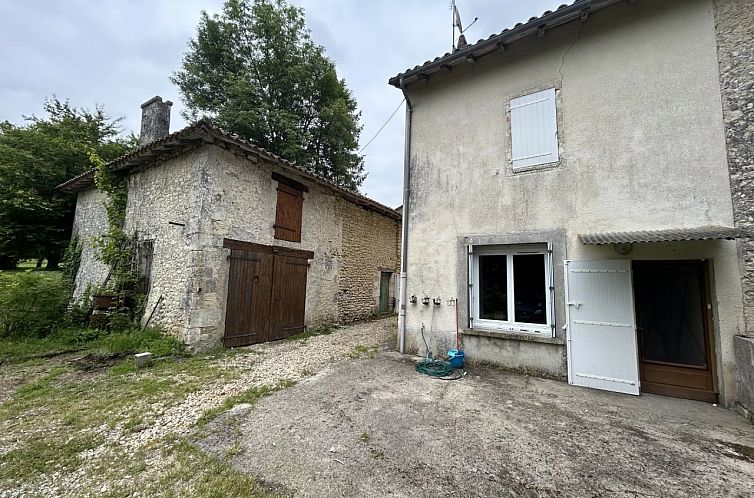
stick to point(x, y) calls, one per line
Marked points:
point(404, 232)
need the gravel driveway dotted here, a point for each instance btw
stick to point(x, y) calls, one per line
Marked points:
point(374, 427)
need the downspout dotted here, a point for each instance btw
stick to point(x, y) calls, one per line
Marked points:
point(404, 233)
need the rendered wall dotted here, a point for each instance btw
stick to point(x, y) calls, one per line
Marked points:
point(642, 146)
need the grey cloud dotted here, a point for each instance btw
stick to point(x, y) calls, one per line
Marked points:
point(119, 54)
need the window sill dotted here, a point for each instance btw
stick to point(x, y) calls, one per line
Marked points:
point(514, 336)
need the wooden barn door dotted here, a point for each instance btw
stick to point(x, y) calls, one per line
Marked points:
point(288, 296)
point(248, 311)
point(266, 293)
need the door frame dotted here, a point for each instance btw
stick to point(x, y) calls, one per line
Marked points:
point(705, 271)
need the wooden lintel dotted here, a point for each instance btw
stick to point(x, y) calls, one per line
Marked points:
point(241, 245)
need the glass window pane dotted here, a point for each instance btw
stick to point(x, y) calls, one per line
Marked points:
point(493, 288)
point(529, 288)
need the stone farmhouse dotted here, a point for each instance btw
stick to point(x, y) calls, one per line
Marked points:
point(241, 246)
point(579, 194)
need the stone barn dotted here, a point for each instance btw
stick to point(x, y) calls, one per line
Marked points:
point(244, 246)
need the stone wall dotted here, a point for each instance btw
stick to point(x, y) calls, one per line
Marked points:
point(744, 350)
point(371, 245)
point(89, 222)
point(734, 27)
point(161, 208)
point(238, 200)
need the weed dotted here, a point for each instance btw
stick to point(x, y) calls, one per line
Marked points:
point(364, 438)
point(363, 352)
point(250, 396)
point(306, 334)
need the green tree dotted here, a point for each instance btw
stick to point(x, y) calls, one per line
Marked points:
point(254, 70)
point(36, 219)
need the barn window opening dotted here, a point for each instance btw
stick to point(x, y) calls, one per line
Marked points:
point(534, 130)
point(289, 209)
point(511, 288)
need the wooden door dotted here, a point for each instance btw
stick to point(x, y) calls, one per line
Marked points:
point(288, 296)
point(384, 291)
point(602, 350)
point(672, 301)
point(248, 308)
point(266, 293)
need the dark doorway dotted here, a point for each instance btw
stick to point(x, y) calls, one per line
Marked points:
point(672, 318)
point(266, 293)
point(385, 291)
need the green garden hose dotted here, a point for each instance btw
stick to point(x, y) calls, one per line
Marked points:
point(434, 368)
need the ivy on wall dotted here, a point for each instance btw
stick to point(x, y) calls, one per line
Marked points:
point(115, 247)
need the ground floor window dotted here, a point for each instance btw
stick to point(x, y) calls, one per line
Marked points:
point(511, 288)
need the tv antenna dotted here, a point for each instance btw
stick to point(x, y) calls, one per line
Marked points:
point(456, 22)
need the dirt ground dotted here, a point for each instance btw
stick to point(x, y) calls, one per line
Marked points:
point(375, 427)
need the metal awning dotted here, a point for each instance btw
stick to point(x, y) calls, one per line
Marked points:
point(669, 235)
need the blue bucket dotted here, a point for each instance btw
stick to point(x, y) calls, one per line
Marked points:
point(455, 357)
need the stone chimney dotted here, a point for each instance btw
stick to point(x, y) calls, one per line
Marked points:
point(155, 120)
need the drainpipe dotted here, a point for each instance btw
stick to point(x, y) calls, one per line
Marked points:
point(404, 233)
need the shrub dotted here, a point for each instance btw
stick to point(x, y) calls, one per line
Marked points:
point(32, 304)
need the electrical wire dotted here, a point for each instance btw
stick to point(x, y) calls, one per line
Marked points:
point(383, 126)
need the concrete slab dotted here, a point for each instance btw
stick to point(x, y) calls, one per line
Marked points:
point(375, 427)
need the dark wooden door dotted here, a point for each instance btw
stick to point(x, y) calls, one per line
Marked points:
point(673, 323)
point(384, 291)
point(248, 310)
point(288, 296)
point(266, 293)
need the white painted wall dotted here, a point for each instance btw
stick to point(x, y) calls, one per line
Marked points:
point(641, 147)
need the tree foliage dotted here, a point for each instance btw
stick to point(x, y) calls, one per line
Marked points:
point(255, 71)
point(36, 219)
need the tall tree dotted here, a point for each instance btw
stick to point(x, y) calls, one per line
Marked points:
point(255, 71)
point(36, 219)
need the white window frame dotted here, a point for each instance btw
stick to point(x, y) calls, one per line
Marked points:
point(540, 128)
point(511, 325)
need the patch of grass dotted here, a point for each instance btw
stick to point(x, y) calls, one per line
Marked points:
point(250, 396)
point(196, 473)
point(90, 340)
point(362, 351)
point(306, 334)
point(43, 454)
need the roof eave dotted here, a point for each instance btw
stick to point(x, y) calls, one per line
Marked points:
point(494, 43)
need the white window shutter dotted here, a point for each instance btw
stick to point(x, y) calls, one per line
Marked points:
point(534, 129)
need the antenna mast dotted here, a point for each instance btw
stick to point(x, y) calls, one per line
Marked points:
point(453, 23)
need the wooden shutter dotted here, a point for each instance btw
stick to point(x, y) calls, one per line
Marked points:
point(534, 129)
point(288, 213)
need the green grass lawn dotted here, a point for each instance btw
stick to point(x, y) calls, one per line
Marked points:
point(68, 400)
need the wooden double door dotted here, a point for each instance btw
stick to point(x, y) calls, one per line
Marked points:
point(672, 300)
point(266, 293)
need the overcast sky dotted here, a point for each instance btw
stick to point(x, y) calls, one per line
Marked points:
point(119, 53)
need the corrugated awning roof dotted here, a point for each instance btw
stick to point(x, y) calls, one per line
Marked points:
point(669, 235)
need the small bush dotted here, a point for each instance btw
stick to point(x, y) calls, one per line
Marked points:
point(32, 304)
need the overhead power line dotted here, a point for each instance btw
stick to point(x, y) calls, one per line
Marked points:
point(383, 126)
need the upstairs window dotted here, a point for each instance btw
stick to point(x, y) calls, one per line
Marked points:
point(289, 208)
point(534, 130)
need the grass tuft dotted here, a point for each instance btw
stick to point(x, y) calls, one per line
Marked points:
point(250, 396)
